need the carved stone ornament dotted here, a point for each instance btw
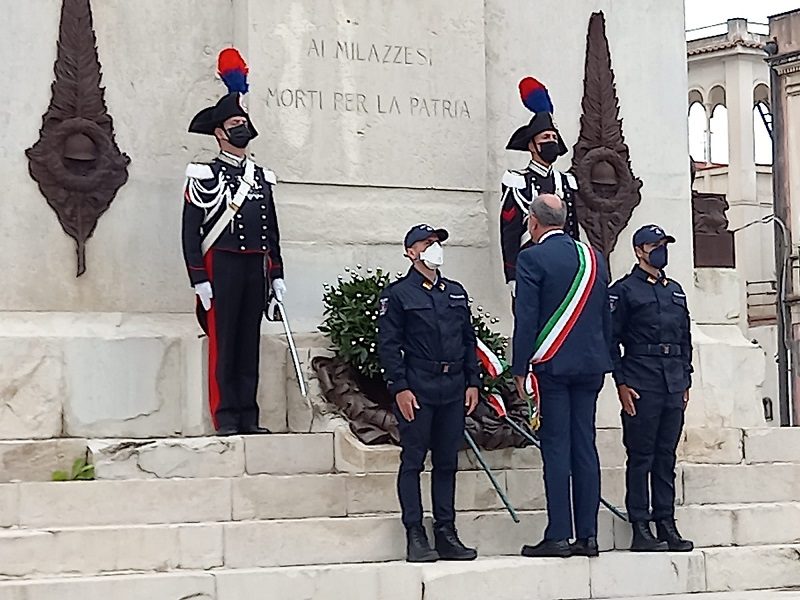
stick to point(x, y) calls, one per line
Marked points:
point(76, 161)
point(608, 191)
point(713, 244)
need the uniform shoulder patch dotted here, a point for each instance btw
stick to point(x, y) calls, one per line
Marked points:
point(514, 180)
point(270, 177)
point(612, 300)
point(384, 306)
point(199, 171)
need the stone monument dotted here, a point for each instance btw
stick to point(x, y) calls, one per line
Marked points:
point(375, 116)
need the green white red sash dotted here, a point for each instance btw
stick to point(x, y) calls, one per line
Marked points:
point(552, 336)
point(561, 323)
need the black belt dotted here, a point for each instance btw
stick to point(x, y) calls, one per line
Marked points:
point(434, 366)
point(653, 350)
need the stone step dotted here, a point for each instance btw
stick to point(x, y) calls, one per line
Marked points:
point(212, 456)
point(36, 460)
point(154, 501)
point(248, 544)
point(703, 574)
point(710, 484)
point(252, 543)
point(340, 451)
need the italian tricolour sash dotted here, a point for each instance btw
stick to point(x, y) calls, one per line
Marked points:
point(560, 324)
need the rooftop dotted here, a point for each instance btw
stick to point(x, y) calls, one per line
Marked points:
point(724, 36)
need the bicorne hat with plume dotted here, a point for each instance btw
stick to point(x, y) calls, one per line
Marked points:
point(232, 69)
point(536, 99)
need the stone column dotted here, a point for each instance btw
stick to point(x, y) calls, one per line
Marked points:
point(742, 196)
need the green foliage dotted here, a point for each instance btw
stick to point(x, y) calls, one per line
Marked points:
point(351, 318)
point(350, 322)
point(81, 471)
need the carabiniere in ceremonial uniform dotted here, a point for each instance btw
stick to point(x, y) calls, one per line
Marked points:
point(231, 243)
point(541, 138)
point(427, 351)
point(651, 322)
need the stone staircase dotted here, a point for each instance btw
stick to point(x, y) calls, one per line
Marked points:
point(314, 516)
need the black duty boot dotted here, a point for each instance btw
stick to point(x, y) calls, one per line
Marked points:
point(643, 540)
point(668, 532)
point(449, 546)
point(254, 430)
point(585, 547)
point(557, 548)
point(417, 547)
point(227, 430)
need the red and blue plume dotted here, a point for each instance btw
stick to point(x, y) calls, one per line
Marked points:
point(534, 96)
point(233, 70)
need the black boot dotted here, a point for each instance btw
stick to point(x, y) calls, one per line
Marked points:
point(254, 430)
point(417, 547)
point(449, 546)
point(227, 430)
point(643, 540)
point(556, 548)
point(585, 547)
point(668, 532)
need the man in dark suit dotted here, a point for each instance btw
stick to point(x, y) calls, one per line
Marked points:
point(562, 327)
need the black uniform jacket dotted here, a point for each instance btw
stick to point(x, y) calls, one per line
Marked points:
point(426, 340)
point(254, 229)
point(651, 322)
point(519, 188)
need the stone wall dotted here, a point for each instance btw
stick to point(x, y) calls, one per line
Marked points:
point(374, 116)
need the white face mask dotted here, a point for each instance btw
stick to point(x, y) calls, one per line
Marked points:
point(433, 256)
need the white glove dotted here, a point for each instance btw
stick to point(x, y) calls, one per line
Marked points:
point(512, 286)
point(279, 289)
point(205, 293)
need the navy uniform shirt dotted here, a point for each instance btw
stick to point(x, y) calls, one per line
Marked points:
point(426, 342)
point(650, 320)
point(254, 229)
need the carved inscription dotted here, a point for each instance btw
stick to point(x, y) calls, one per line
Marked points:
point(361, 102)
point(384, 54)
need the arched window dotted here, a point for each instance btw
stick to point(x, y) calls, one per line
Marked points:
point(762, 124)
point(698, 132)
point(719, 135)
point(762, 141)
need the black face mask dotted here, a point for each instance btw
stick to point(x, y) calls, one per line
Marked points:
point(548, 151)
point(658, 257)
point(239, 136)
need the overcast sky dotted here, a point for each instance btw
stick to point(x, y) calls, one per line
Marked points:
point(700, 13)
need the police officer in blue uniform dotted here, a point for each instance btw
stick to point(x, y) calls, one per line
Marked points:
point(569, 382)
point(651, 322)
point(427, 349)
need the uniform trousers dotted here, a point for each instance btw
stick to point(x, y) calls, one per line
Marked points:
point(438, 427)
point(567, 437)
point(651, 440)
point(233, 325)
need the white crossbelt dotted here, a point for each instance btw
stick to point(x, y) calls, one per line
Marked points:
point(232, 208)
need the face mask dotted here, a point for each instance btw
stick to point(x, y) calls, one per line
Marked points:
point(658, 257)
point(548, 151)
point(433, 256)
point(239, 136)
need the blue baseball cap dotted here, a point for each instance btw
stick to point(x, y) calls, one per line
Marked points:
point(651, 234)
point(423, 232)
